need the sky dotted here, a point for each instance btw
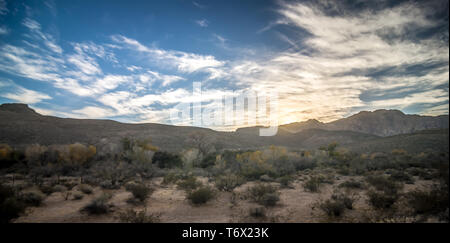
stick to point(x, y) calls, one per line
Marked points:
point(134, 61)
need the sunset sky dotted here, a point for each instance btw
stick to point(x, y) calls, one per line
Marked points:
point(133, 61)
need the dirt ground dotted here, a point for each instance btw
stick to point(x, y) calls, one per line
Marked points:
point(171, 205)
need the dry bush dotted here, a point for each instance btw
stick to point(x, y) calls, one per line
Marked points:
point(85, 188)
point(264, 194)
point(132, 216)
point(140, 191)
point(228, 182)
point(201, 195)
point(98, 205)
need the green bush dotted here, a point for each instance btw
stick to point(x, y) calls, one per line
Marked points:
point(382, 200)
point(166, 159)
point(132, 216)
point(201, 195)
point(285, 181)
point(264, 194)
point(429, 202)
point(257, 212)
point(332, 208)
point(346, 200)
point(10, 206)
point(98, 205)
point(351, 184)
point(208, 161)
point(312, 184)
point(270, 199)
point(384, 183)
point(139, 191)
point(189, 184)
point(59, 188)
point(85, 188)
point(228, 182)
point(402, 176)
point(32, 198)
point(78, 196)
point(46, 189)
point(170, 178)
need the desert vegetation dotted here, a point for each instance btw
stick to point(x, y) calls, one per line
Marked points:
point(142, 183)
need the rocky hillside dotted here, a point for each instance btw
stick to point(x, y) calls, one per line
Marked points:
point(381, 123)
point(21, 126)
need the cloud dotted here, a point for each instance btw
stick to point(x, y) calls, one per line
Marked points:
point(47, 39)
point(3, 30)
point(133, 68)
point(183, 61)
point(86, 64)
point(93, 112)
point(202, 23)
point(3, 8)
point(22, 95)
point(198, 5)
point(326, 72)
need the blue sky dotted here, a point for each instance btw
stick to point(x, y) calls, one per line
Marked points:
point(133, 61)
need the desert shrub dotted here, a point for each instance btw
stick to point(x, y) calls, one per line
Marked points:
point(85, 188)
point(109, 185)
point(59, 188)
point(201, 195)
point(171, 177)
point(10, 206)
point(304, 164)
point(208, 161)
point(77, 196)
point(312, 184)
point(166, 159)
point(189, 184)
point(332, 208)
point(353, 184)
point(32, 198)
point(263, 194)
point(253, 165)
point(286, 181)
point(400, 175)
point(140, 191)
point(98, 205)
point(257, 212)
point(381, 200)
point(228, 182)
point(383, 183)
point(132, 216)
point(80, 154)
point(346, 200)
point(429, 202)
point(46, 189)
point(270, 199)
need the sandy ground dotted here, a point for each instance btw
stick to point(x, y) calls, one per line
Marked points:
point(295, 205)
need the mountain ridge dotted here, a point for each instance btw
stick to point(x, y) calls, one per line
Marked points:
point(21, 126)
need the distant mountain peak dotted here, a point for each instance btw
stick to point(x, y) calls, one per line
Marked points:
point(17, 108)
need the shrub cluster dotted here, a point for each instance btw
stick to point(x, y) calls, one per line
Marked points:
point(264, 194)
point(201, 195)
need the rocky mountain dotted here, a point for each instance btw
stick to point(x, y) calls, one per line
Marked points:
point(21, 126)
point(380, 122)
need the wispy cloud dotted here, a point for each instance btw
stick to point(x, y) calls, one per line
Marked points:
point(3, 30)
point(202, 23)
point(198, 5)
point(47, 39)
point(3, 7)
point(183, 61)
point(21, 94)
